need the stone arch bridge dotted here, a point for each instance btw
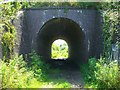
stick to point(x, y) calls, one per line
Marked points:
point(80, 28)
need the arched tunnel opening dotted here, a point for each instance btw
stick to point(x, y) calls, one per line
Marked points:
point(66, 29)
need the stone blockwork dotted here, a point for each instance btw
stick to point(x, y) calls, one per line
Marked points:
point(81, 28)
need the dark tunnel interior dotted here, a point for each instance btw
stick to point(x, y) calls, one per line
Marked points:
point(66, 29)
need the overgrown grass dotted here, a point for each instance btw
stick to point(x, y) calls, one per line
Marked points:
point(15, 73)
point(101, 74)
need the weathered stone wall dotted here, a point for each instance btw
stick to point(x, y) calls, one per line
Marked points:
point(29, 25)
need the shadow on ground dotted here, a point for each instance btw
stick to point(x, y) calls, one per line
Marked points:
point(68, 74)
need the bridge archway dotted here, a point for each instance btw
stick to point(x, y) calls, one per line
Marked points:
point(61, 28)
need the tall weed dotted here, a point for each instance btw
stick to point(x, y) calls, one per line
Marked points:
point(101, 73)
point(15, 74)
point(107, 74)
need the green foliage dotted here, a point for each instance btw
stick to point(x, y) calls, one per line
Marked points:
point(15, 74)
point(56, 83)
point(7, 43)
point(39, 67)
point(101, 74)
point(110, 13)
point(64, 4)
point(7, 15)
point(59, 51)
point(88, 71)
point(8, 39)
point(107, 74)
point(63, 85)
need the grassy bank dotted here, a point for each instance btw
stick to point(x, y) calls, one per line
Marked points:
point(16, 73)
point(101, 73)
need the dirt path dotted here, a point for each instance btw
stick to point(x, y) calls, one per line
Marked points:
point(73, 76)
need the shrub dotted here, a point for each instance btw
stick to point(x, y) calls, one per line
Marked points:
point(101, 74)
point(15, 74)
point(107, 74)
point(38, 66)
point(7, 43)
point(88, 70)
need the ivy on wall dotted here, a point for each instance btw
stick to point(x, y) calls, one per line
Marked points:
point(7, 15)
point(8, 38)
point(109, 10)
point(111, 33)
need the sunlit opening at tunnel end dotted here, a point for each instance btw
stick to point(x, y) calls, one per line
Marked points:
point(59, 49)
